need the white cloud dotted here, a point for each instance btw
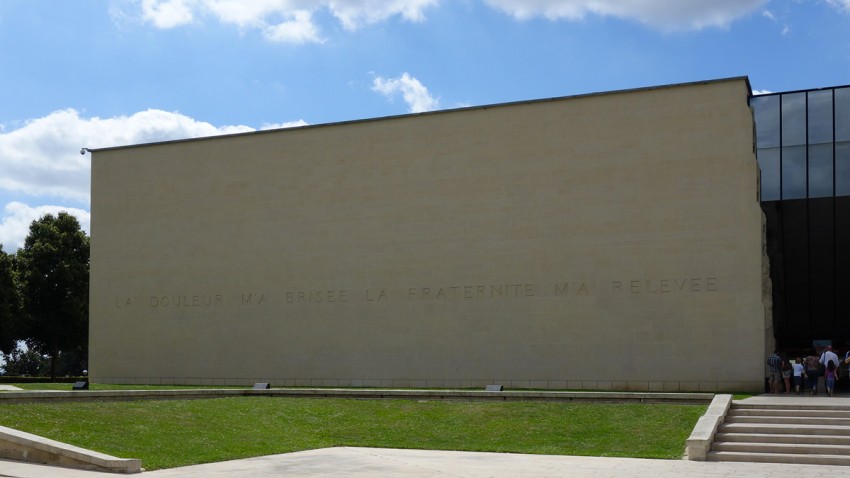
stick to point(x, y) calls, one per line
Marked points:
point(662, 14)
point(17, 217)
point(415, 94)
point(292, 21)
point(289, 21)
point(288, 124)
point(167, 13)
point(42, 157)
point(354, 13)
point(841, 4)
point(299, 29)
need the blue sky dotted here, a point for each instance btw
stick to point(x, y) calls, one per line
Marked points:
point(101, 73)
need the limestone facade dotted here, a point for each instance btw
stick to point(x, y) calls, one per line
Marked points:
point(609, 241)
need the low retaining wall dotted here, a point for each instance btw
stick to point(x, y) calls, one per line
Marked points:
point(22, 446)
point(701, 437)
point(174, 394)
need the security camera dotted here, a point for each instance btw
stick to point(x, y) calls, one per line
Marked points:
point(83, 150)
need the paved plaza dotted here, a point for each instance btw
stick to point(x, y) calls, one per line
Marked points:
point(373, 462)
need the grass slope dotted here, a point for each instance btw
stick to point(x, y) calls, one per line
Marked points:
point(165, 434)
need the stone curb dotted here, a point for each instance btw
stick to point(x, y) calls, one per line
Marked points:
point(22, 446)
point(699, 443)
point(86, 395)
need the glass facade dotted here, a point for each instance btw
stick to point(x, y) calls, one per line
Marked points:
point(803, 149)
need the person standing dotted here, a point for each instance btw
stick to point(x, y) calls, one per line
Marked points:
point(812, 373)
point(798, 374)
point(827, 357)
point(774, 366)
point(831, 375)
point(786, 374)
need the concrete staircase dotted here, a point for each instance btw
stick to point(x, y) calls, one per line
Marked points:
point(816, 434)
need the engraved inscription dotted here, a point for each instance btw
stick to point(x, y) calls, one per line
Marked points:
point(467, 292)
point(253, 298)
point(316, 296)
point(572, 288)
point(665, 286)
point(201, 300)
point(566, 290)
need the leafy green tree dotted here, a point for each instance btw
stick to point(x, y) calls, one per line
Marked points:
point(9, 303)
point(29, 362)
point(53, 270)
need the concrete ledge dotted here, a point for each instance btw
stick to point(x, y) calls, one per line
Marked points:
point(22, 446)
point(423, 394)
point(699, 443)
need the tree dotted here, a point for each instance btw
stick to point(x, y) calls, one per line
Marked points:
point(26, 362)
point(53, 270)
point(9, 303)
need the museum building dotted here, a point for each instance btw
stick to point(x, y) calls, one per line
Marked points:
point(641, 239)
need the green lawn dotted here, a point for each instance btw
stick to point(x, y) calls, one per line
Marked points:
point(170, 433)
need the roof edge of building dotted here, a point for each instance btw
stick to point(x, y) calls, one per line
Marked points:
point(435, 112)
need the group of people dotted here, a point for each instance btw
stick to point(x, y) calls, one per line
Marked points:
point(805, 372)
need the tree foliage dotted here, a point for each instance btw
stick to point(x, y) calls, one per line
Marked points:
point(9, 303)
point(53, 270)
point(26, 362)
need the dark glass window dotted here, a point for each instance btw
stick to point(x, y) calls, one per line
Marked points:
point(842, 114)
point(820, 117)
point(842, 169)
point(803, 147)
point(766, 114)
point(770, 178)
point(820, 170)
point(794, 172)
point(793, 119)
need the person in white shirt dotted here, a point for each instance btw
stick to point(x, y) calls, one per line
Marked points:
point(829, 356)
point(798, 374)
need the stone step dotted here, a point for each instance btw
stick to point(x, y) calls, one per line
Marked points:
point(790, 420)
point(779, 458)
point(787, 412)
point(774, 428)
point(795, 407)
point(801, 433)
point(781, 448)
point(784, 438)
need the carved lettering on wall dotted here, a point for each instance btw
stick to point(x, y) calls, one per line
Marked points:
point(469, 292)
point(580, 288)
point(253, 298)
point(376, 295)
point(570, 289)
point(316, 296)
point(198, 300)
point(665, 286)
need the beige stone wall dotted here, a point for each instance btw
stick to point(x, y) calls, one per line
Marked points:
point(608, 241)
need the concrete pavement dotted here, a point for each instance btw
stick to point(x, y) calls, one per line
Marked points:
point(373, 462)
